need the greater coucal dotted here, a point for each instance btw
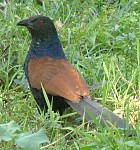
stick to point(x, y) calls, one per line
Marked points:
point(47, 64)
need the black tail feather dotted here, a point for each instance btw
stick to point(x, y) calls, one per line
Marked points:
point(105, 116)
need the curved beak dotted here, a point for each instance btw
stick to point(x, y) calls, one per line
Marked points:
point(24, 23)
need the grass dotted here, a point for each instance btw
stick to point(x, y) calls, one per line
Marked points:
point(101, 40)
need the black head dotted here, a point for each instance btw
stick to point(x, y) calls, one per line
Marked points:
point(39, 26)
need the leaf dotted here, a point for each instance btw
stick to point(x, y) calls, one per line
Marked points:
point(59, 24)
point(29, 141)
point(130, 143)
point(7, 131)
point(89, 146)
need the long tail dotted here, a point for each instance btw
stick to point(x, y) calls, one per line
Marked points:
point(105, 116)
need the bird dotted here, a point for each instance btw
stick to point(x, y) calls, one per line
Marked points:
point(47, 65)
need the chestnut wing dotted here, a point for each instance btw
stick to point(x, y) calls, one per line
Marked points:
point(58, 77)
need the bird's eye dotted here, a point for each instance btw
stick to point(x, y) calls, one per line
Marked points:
point(39, 22)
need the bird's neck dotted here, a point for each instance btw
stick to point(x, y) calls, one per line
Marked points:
point(49, 46)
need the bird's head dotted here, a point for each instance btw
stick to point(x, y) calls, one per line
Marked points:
point(39, 26)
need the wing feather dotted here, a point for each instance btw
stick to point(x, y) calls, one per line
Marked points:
point(58, 77)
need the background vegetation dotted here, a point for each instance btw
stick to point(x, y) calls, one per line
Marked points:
point(101, 39)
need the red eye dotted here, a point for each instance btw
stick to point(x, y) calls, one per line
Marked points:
point(39, 22)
